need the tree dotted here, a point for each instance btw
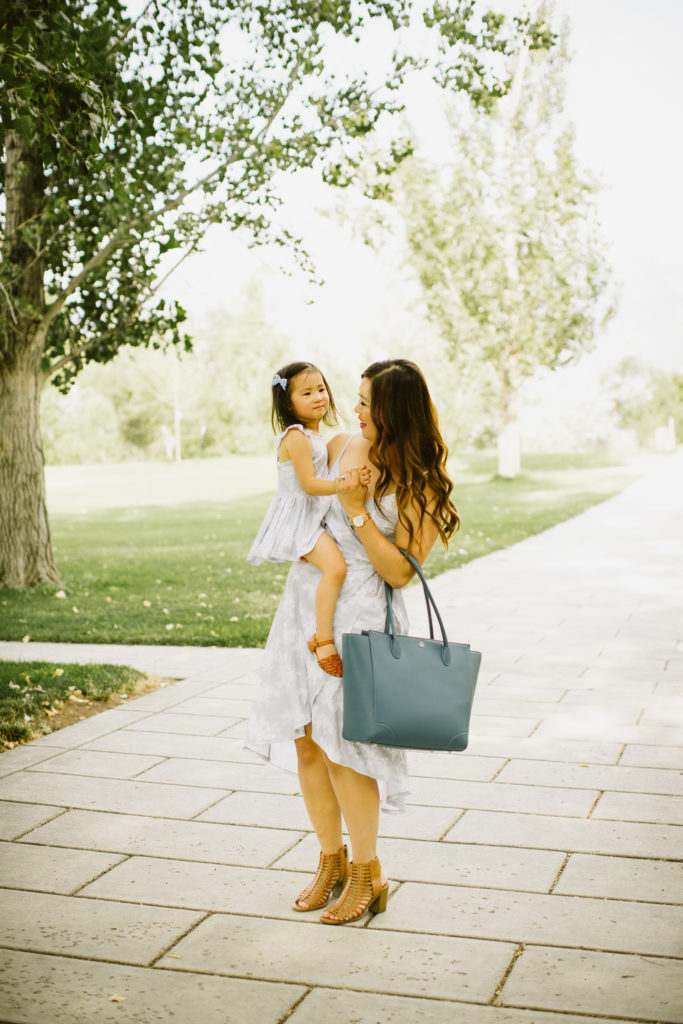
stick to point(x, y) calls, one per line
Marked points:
point(506, 243)
point(646, 399)
point(125, 135)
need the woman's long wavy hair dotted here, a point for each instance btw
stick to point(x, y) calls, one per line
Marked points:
point(409, 449)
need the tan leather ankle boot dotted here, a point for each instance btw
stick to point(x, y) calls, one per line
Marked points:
point(363, 891)
point(333, 869)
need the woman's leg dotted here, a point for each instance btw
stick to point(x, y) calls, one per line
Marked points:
point(358, 798)
point(327, 557)
point(323, 810)
point(318, 793)
point(366, 887)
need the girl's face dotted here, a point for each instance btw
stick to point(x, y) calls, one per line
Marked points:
point(309, 398)
point(362, 410)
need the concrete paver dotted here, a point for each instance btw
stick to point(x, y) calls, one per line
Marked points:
point(23, 757)
point(186, 725)
point(45, 869)
point(107, 794)
point(164, 837)
point(229, 775)
point(640, 807)
point(18, 818)
point(620, 877)
point(590, 776)
point(95, 763)
point(46, 923)
point(547, 832)
point(70, 991)
point(654, 757)
point(172, 745)
point(90, 728)
point(366, 1008)
point(212, 887)
point(149, 863)
point(536, 919)
point(497, 867)
point(356, 958)
point(595, 983)
point(496, 796)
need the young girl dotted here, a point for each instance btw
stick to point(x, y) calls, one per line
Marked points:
point(292, 528)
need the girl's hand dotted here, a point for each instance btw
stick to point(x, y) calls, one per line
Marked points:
point(352, 492)
point(364, 475)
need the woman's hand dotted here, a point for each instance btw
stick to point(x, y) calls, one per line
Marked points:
point(352, 489)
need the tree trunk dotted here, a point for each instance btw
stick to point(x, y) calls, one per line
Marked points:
point(25, 549)
point(509, 448)
point(509, 453)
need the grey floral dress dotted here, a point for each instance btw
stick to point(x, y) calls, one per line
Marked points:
point(294, 691)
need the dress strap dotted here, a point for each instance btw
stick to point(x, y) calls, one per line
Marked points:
point(350, 439)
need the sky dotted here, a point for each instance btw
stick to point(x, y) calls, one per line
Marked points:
point(624, 90)
point(624, 96)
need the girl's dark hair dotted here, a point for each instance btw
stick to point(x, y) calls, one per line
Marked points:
point(409, 449)
point(283, 414)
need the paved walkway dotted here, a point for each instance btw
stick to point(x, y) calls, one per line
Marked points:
point(149, 863)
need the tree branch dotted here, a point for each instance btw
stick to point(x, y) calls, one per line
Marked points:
point(121, 39)
point(118, 240)
point(10, 305)
point(81, 349)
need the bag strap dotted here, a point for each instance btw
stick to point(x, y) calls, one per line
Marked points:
point(390, 623)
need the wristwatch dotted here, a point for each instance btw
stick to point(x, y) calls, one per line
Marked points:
point(360, 520)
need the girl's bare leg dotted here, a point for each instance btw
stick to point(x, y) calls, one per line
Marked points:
point(318, 793)
point(327, 557)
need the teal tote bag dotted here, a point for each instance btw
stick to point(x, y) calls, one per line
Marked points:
point(406, 691)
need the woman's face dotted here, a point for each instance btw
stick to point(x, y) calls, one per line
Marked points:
point(363, 411)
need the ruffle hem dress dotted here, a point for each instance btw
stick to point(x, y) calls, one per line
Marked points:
point(294, 691)
point(293, 523)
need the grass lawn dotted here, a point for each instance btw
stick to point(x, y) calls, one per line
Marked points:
point(174, 571)
point(34, 695)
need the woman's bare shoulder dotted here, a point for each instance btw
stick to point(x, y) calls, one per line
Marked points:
point(336, 444)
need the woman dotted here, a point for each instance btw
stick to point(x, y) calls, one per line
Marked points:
point(406, 505)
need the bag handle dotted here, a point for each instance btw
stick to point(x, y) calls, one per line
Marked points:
point(390, 622)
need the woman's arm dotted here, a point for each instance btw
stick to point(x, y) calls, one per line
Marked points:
point(384, 555)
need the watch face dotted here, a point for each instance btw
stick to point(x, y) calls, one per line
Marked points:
point(358, 520)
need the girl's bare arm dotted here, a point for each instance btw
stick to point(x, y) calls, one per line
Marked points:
point(300, 451)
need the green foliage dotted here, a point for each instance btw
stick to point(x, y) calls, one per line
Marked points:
point(645, 399)
point(142, 129)
point(31, 691)
point(176, 574)
point(504, 236)
point(218, 394)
